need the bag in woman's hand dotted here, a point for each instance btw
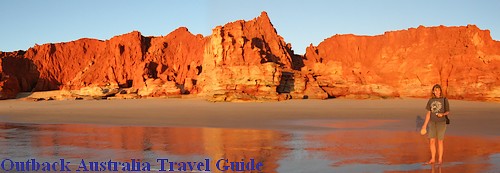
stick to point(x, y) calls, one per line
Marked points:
point(447, 119)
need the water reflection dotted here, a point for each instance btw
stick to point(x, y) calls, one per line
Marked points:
point(102, 143)
point(333, 150)
point(399, 151)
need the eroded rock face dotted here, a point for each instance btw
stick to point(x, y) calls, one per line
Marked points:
point(129, 60)
point(464, 60)
point(176, 59)
point(9, 87)
point(17, 74)
point(243, 60)
point(248, 61)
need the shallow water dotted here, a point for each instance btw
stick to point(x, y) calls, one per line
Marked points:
point(334, 149)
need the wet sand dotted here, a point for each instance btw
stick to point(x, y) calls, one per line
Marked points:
point(477, 118)
point(337, 135)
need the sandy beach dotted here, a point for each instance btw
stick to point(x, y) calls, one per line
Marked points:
point(336, 135)
point(249, 86)
point(468, 117)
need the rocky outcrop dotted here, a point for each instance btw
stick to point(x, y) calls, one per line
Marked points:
point(173, 62)
point(17, 74)
point(248, 61)
point(154, 66)
point(464, 60)
point(244, 60)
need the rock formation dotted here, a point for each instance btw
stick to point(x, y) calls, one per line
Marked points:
point(244, 61)
point(154, 66)
point(16, 74)
point(248, 60)
point(464, 60)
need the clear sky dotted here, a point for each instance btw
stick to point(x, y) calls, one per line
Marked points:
point(26, 22)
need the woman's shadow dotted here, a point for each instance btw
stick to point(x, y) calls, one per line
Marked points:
point(419, 122)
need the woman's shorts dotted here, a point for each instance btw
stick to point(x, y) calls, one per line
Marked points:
point(437, 129)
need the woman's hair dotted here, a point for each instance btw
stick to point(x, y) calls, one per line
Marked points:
point(434, 87)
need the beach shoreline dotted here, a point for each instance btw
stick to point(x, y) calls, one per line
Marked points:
point(468, 117)
point(341, 135)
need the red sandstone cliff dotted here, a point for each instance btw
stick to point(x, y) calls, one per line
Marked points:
point(464, 60)
point(153, 66)
point(248, 60)
point(244, 60)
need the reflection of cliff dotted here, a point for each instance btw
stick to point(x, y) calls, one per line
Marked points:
point(395, 148)
point(262, 145)
point(383, 150)
point(136, 142)
point(246, 60)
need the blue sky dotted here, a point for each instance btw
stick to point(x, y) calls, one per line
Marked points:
point(26, 22)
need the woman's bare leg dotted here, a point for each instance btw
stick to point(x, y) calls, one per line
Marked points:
point(432, 147)
point(440, 151)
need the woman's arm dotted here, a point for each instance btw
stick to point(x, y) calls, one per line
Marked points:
point(427, 118)
point(446, 107)
point(443, 114)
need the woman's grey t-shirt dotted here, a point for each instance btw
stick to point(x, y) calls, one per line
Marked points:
point(438, 105)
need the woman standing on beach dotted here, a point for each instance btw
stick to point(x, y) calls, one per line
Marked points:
point(437, 108)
